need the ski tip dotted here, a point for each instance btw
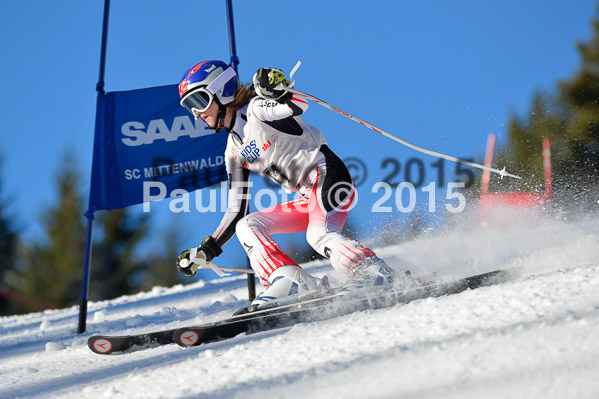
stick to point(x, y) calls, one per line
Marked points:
point(187, 337)
point(100, 345)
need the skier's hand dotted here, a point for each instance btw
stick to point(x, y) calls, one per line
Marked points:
point(269, 83)
point(191, 260)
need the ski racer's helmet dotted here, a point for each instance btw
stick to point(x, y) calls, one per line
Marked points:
point(205, 82)
point(215, 76)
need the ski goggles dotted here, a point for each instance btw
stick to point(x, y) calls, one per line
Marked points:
point(198, 100)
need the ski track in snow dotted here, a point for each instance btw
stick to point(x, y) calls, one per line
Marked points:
point(535, 336)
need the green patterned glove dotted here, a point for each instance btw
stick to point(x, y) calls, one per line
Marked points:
point(269, 83)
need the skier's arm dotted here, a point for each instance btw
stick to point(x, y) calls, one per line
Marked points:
point(273, 102)
point(237, 205)
point(192, 259)
point(271, 110)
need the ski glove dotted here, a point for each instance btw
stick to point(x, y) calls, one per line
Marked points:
point(195, 258)
point(190, 261)
point(269, 83)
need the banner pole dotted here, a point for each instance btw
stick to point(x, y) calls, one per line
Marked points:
point(234, 63)
point(100, 85)
point(232, 45)
point(90, 213)
point(86, 273)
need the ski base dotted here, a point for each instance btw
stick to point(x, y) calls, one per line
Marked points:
point(306, 311)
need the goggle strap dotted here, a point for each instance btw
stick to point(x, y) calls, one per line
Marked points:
point(220, 118)
point(221, 80)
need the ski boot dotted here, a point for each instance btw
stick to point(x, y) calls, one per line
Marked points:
point(286, 285)
point(372, 273)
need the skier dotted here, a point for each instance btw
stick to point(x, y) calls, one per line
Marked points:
point(268, 136)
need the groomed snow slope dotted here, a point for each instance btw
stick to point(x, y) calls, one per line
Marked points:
point(536, 336)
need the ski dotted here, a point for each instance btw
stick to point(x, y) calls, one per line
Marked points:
point(106, 344)
point(324, 308)
point(316, 309)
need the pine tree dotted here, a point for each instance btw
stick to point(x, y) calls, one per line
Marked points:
point(581, 96)
point(160, 265)
point(54, 268)
point(570, 119)
point(525, 155)
point(8, 252)
point(121, 265)
point(116, 264)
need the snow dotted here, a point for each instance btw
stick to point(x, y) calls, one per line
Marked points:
point(534, 336)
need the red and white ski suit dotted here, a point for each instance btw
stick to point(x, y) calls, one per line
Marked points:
point(271, 139)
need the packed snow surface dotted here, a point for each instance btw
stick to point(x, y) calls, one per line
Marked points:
point(534, 336)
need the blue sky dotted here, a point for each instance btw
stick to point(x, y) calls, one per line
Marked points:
point(440, 74)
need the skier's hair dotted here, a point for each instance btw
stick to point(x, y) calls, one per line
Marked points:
point(243, 96)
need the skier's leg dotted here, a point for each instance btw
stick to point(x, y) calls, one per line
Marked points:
point(329, 205)
point(255, 235)
point(286, 282)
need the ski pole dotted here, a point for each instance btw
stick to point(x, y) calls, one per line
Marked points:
point(501, 172)
point(222, 271)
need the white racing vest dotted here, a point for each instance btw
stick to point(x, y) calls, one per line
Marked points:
point(271, 139)
point(275, 142)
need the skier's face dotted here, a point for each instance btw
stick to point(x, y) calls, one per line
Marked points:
point(209, 116)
